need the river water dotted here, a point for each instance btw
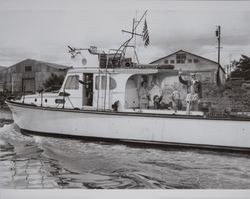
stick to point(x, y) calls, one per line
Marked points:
point(28, 161)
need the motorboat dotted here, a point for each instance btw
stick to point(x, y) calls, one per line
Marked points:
point(100, 100)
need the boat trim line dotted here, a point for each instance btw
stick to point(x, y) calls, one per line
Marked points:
point(136, 114)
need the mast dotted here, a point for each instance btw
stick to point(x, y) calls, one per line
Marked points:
point(133, 33)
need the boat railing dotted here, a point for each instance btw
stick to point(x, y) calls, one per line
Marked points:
point(164, 111)
point(106, 72)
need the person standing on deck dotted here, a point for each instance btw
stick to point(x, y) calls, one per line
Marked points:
point(194, 92)
point(155, 92)
point(88, 83)
point(176, 99)
point(144, 95)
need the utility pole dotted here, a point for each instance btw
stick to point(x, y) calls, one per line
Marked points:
point(230, 65)
point(218, 37)
point(218, 33)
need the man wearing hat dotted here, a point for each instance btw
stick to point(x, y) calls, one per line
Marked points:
point(194, 91)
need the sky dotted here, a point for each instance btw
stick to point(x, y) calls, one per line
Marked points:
point(42, 29)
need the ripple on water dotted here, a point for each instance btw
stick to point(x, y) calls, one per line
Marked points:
point(46, 162)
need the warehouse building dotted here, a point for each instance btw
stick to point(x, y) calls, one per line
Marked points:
point(28, 75)
point(1, 83)
point(206, 70)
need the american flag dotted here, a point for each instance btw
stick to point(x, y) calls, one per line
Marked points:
point(145, 34)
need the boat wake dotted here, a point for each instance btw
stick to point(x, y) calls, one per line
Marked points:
point(28, 161)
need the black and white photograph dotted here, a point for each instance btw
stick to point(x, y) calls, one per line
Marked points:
point(123, 98)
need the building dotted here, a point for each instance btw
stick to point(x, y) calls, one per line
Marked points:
point(28, 75)
point(206, 70)
point(1, 83)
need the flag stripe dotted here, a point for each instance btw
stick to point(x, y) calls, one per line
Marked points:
point(145, 34)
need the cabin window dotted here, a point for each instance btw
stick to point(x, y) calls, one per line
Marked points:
point(112, 83)
point(190, 60)
point(72, 82)
point(172, 61)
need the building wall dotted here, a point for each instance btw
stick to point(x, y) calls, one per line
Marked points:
point(1, 86)
point(30, 74)
point(42, 76)
point(205, 69)
point(206, 72)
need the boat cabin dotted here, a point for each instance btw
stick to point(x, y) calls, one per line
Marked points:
point(110, 82)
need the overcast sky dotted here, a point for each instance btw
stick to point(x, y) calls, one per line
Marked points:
point(42, 29)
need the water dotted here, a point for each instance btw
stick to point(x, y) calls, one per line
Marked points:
point(28, 161)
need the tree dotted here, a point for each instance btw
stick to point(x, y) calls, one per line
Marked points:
point(242, 68)
point(54, 82)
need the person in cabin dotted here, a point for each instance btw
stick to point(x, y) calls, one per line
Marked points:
point(194, 92)
point(89, 89)
point(166, 102)
point(176, 100)
point(88, 83)
point(156, 93)
point(144, 96)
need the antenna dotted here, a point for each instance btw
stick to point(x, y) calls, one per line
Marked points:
point(133, 33)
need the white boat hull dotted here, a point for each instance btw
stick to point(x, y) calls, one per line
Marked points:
point(153, 128)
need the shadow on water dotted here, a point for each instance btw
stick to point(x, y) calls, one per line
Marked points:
point(31, 161)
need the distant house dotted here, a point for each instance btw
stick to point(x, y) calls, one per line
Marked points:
point(207, 70)
point(28, 75)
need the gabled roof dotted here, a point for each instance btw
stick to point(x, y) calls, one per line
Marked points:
point(56, 66)
point(190, 54)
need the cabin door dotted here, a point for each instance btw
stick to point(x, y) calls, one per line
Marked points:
point(102, 91)
point(87, 90)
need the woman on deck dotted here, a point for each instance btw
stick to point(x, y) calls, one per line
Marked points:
point(144, 96)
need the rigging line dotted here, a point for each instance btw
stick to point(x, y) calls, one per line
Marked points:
point(70, 102)
point(140, 19)
point(134, 21)
point(98, 86)
point(126, 42)
point(107, 82)
point(106, 79)
point(134, 28)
